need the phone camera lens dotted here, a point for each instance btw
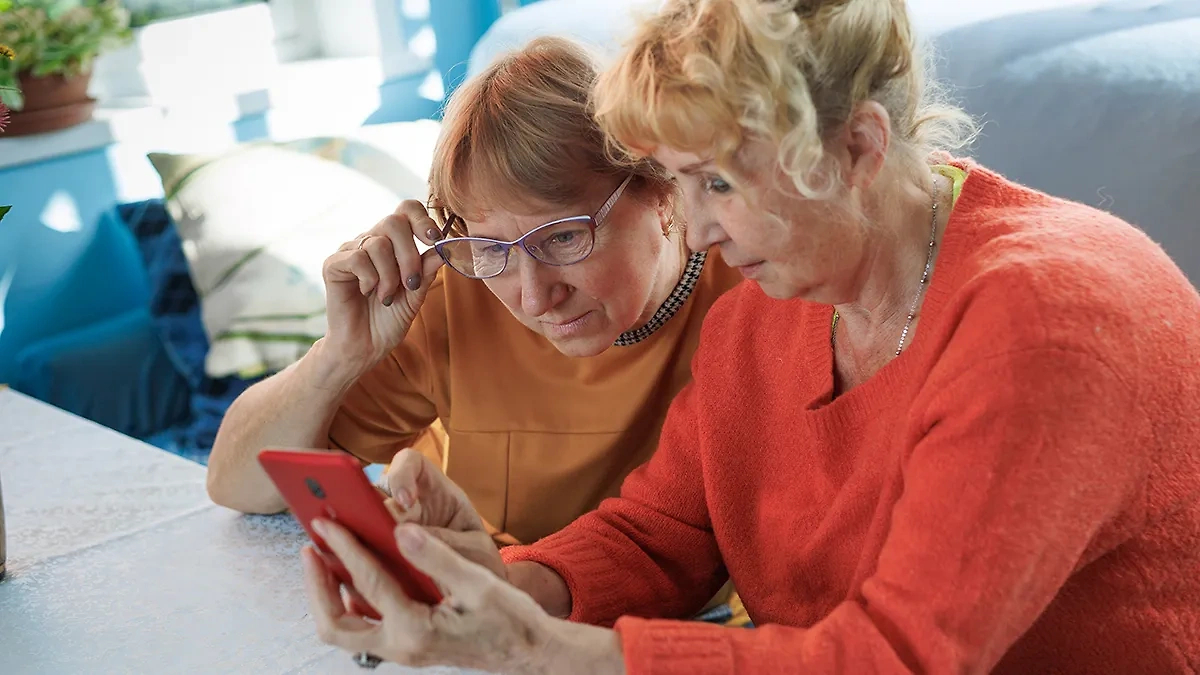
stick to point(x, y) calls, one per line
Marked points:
point(315, 488)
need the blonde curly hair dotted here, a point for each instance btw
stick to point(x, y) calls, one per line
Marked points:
point(707, 76)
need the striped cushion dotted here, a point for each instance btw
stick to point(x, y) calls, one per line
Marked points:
point(256, 224)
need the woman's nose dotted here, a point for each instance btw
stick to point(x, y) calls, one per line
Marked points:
point(540, 286)
point(702, 228)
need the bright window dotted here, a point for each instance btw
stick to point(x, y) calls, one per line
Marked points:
point(143, 12)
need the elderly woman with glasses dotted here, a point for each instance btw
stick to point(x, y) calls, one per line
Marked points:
point(537, 370)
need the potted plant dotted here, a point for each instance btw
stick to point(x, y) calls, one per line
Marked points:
point(54, 43)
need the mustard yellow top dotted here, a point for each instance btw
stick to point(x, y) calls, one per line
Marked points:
point(534, 437)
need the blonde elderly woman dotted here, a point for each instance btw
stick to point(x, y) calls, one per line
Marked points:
point(950, 426)
point(537, 369)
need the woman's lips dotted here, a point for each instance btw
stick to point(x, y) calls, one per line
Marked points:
point(751, 271)
point(569, 328)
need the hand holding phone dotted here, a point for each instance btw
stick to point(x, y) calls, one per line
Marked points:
point(332, 485)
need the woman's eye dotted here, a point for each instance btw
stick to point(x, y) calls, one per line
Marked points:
point(716, 184)
point(562, 238)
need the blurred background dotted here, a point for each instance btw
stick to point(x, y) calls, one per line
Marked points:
point(178, 169)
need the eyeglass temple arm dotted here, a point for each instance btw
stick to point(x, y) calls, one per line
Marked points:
point(612, 199)
point(444, 231)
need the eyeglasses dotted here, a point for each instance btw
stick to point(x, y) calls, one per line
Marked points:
point(561, 242)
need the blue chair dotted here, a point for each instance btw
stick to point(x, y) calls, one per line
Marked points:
point(78, 332)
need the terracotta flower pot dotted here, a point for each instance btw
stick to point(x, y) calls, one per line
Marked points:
point(52, 103)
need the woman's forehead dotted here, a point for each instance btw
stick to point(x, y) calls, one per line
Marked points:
point(509, 223)
point(673, 159)
point(511, 211)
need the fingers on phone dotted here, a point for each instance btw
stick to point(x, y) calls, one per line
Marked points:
point(395, 509)
point(323, 586)
point(403, 475)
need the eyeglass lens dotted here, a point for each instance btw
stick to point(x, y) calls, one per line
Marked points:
point(560, 243)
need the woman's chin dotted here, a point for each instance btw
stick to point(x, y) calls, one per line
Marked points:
point(580, 346)
point(780, 287)
point(777, 291)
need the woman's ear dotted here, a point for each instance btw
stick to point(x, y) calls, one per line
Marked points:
point(867, 136)
point(666, 214)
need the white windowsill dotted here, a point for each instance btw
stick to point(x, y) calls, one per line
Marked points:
point(314, 85)
point(103, 129)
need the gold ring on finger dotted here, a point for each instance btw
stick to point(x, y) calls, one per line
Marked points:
point(362, 240)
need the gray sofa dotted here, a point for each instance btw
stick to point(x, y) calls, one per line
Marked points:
point(1096, 101)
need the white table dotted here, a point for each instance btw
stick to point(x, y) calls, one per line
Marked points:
point(119, 563)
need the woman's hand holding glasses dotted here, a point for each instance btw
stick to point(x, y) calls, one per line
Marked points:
point(375, 285)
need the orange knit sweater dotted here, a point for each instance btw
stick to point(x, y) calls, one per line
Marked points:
point(1018, 492)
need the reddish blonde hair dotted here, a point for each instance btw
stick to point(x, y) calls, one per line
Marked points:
point(522, 134)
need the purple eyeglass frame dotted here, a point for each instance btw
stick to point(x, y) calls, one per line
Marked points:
point(593, 222)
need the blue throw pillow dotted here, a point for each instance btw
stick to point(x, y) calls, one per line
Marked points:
point(173, 300)
point(175, 310)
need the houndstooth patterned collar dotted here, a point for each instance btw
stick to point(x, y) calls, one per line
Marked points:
point(678, 296)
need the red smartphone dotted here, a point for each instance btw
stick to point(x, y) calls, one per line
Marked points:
point(332, 485)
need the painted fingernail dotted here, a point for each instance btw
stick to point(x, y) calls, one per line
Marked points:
point(405, 499)
point(432, 234)
point(387, 302)
point(414, 282)
point(319, 527)
point(410, 537)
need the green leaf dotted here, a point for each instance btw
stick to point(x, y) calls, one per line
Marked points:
point(12, 99)
point(4, 211)
point(59, 36)
point(56, 9)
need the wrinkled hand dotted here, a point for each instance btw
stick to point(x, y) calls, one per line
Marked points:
point(428, 497)
point(376, 283)
point(483, 622)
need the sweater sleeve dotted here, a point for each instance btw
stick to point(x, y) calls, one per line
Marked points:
point(648, 552)
point(1019, 477)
